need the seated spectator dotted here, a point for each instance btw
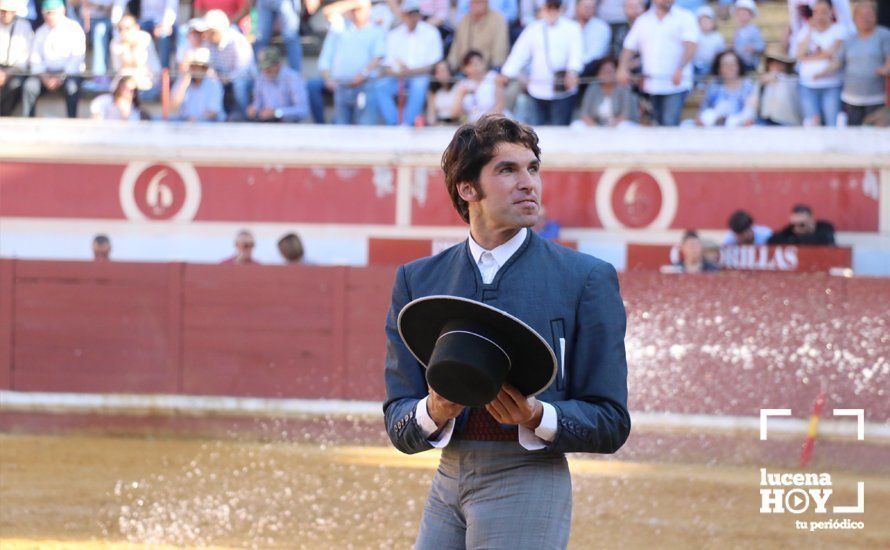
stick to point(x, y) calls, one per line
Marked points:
point(620, 25)
point(820, 79)
point(197, 95)
point(480, 93)
point(775, 100)
point(158, 17)
point(606, 103)
point(348, 61)
point(16, 39)
point(244, 243)
point(508, 9)
point(436, 13)
point(710, 43)
point(101, 248)
point(57, 60)
point(484, 30)
point(554, 49)
point(291, 248)
point(96, 17)
point(279, 94)
point(412, 49)
point(134, 52)
point(440, 98)
point(231, 57)
point(595, 33)
point(666, 38)
point(692, 255)
point(865, 58)
point(743, 231)
point(747, 41)
point(803, 229)
point(194, 39)
point(121, 104)
point(726, 98)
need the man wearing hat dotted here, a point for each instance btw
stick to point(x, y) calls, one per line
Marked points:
point(197, 95)
point(231, 56)
point(16, 38)
point(57, 59)
point(279, 94)
point(506, 351)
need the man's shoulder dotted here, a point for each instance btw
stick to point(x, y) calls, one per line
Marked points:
point(443, 259)
point(567, 260)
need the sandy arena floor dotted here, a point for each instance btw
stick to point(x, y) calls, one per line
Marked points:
point(83, 491)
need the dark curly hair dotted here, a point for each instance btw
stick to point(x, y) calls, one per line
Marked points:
point(473, 146)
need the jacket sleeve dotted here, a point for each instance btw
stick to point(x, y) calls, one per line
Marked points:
point(404, 378)
point(596, 420)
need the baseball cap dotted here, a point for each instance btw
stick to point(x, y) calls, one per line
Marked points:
point(746, 5)
point(50, 5)
point(269, 57)
point(217, 20)
point(409, 6)
point(11, 5)
point(706, 11)
point(198, 24)
point(200, 56)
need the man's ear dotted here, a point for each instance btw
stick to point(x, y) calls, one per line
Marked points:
point(466, 191)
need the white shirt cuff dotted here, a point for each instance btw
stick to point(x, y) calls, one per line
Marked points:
point(428, 426)
point(544, 434)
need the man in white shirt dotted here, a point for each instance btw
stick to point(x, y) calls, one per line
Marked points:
point(554, 48)
point(16, 39)
point(666, 38)
point(57, 59)
point(595, 33)
point(412, 49)
point(231, 56)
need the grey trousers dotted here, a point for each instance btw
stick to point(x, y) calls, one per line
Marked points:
point(489, 494)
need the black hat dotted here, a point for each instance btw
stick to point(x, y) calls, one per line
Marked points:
point(469, 349)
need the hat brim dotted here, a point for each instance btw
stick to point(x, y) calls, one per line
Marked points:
point(532, 361)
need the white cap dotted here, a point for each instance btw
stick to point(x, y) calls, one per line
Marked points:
point(410, 5)
point(12, 5)
point(747, 5)
point(200, 56)
point(217, 20)
point(706, 11)
point(198, 24)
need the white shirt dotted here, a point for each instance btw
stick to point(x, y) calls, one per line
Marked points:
point(823, 40)
point(140, 58)
point(489, 262)
point(103, 108)
point(15, 43)
point(60, 49)
point(565, 46)
point(661, 43)
point(421, 48)
point(842, 12)
point(761, 235)
point(709, 45)
point(597, 36)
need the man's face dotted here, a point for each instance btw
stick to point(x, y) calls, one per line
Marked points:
point(6, 17)
point(743, 16)
point(586, 9)
point(101, 252)
point(213, 36)
point(478, 8)
point(633, 9)
point(272, 71)
point(745, 237)
point(198, 70)
point(510, 186)
point(244, 245)
point(412, 18)
point(865, 18)
point(802, 223)
point(663, 4)
point(52, 17)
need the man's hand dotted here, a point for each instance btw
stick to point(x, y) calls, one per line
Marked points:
point(51, 82)
point(623, 76)
point(511, 407)
point(330, 84)
point(161, 31)
point(3, 75)
point(440, 409)
point(267, 114)
point(571, 80)
point(251, 112)
point(678, 77)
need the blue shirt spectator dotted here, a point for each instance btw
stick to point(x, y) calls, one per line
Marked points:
point(747, 41)
point(279, 93)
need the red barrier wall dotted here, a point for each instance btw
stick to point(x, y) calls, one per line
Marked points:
point(728, 343)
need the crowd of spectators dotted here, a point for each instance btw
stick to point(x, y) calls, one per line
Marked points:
point(546, 62)
point(290, 246)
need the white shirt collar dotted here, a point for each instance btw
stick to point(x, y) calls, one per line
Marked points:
point(501, 253)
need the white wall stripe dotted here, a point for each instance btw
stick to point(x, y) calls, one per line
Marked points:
point(132, 404)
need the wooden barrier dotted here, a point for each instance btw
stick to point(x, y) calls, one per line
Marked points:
point(727, 343)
